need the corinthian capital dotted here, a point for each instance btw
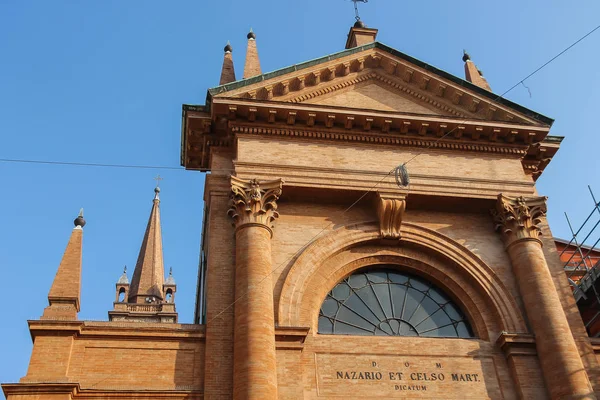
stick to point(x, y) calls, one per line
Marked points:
point(518, 218)
point(254, 202)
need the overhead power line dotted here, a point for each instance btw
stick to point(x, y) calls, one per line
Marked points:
point(80, 164)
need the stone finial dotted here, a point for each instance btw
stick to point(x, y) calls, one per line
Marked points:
point(390, 210)
point(79, 221)
point(254, 202)
point(466, 57)
point(519, 218)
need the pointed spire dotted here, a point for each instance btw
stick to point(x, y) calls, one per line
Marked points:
point(65, 293)
point(170, 280)
point(227, 72)
point(473, 74)
point(252, 65)
point(124, 279)
point(148, 275)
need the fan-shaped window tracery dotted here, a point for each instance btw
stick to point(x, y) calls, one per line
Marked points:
point(387, 302)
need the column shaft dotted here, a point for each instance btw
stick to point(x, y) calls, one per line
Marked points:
point(562, 367)
point(255, 368)
point(254, 209)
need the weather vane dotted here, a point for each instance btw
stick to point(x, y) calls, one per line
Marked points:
point(356, 7)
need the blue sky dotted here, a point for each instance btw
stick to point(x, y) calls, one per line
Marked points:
point(104, 82)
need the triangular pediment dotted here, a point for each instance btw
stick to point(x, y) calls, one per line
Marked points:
point(376, 77)
point(374, 95)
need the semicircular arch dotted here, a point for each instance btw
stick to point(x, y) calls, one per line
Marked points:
point(422, 251)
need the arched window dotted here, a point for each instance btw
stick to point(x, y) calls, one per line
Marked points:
point(121, 295)
point(169, 296)
point(387, 302)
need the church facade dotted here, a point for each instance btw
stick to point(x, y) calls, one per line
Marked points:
point(372, 229)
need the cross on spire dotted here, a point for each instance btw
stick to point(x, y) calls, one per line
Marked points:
point(356, 7)
point(158, 179)
point(157, 189)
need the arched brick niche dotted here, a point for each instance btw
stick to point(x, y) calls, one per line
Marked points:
point(462, 275)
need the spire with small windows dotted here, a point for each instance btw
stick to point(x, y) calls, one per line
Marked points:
point(170, 287)
point(148, 276)
point(252, 65)
point(144, 298)
point(65, 293)
point(227, 72)
point(473, 74)
point(122, 287)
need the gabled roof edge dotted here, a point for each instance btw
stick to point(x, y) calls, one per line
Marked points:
point(571, 243)
point(378, 45)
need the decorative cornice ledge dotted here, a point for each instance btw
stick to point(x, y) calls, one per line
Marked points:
point(290, 337)
point(74, 391)
point(390, 210)
point(40, 388)
point(595, 344)
point(518, 218)
point(254, 203)
point(516, 344)
point(379, 139)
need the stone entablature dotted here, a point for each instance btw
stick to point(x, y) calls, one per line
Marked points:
point(309, 164)
point(316, 123)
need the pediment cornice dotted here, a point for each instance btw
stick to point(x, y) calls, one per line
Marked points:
point(359, 121)
point(385, 80)
point(395, 73)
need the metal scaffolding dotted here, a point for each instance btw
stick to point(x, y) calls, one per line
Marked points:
point(582, 264)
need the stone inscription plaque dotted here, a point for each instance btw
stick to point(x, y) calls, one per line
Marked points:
point(415, 377)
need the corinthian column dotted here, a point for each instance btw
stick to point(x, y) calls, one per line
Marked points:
point(254, 210)
point(517, 220)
